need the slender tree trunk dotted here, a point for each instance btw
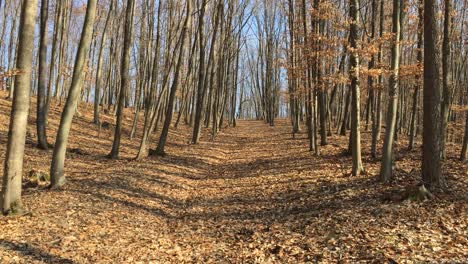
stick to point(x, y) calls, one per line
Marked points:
point(387, 159)
point(57, 25)
point(377, 125)
point(346, 114)
point(170, 107)
point(201, 88)
point(355, 89)
point(13, 169)
point(42, 82)
point(58, 159)
point(97, 90)
point(446, 85)
point(414, 112)
point(323, 116)
point(150, 111)
point(125, 78)
point(464, 152)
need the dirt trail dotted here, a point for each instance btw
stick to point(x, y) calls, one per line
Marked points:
point(252, 195)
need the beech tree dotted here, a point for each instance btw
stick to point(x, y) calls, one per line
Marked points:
point(175, 82)
point(355, 90)
point(124, 81)
point(431, 162)
point(57, 170)
point(387, 159)
point(13, 169)
point(42, 76)
point(446, 75)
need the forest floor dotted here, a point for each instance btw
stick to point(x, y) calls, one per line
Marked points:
point(253, 195)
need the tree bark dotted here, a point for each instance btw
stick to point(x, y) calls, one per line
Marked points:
point(97, 90)
point(431, 164)
point(464, 152)
point(446, 85)
point(13, 169)
point(58, 159)
point(42, 82)
point(414, 112)
point(355, 90)
point(387, 155)
point(124, 77)
point(201, 87)
point(170, 107)
point(377, 124)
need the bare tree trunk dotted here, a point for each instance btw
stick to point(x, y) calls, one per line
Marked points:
point(42, 82)
point(125, 77)
point(346, 113)
point(377, 124)
point(414, 112)
point(13, 169)
point(446, 85)
point(150, 111)
point(464, 152)
point(170, 107)
point(201, 88)
point(13, 55)
point(58, 160)
point(431, 164)
point(387, 155)
point(57, 26)
point(97, 90)
point(355, 89)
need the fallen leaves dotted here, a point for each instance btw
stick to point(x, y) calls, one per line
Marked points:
point(252, 195)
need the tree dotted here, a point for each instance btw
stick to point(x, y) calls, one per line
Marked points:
point(13, 169)
point(355, 90)
point(125, 78)
point(97, 91)
point(387, 159)
point(414, 110)
point(446, 86)
point(42, 83)
point(150, 111)
point(377, 114)
point(201, 88)
point(431, 163)
point(170, 106)
point(57, 175)
point(464, 152)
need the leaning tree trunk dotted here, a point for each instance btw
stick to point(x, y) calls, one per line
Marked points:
point(97, 89)
point(431, 163)
point(42, 82)
point(58, 160)
point(170, 106)
point(13, 170)
point(387, 155)
point(124, 78)
point(354, 76)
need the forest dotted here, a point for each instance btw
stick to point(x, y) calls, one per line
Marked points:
point(233, 131)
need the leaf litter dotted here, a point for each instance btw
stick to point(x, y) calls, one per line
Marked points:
point(253, 195)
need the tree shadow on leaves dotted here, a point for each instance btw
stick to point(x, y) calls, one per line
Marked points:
point(35, 253)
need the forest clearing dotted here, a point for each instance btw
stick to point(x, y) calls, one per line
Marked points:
point(234, 131)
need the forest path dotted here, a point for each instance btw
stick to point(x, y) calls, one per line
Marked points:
point(256, 165)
